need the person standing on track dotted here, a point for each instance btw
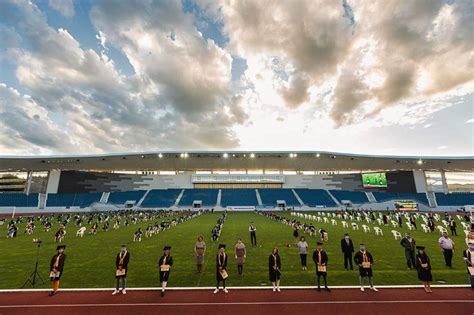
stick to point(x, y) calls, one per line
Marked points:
point(56, 268)
point(365, 260)
point(253, 235)
point(347, 248)
point(320, 258)
point(121, 262)
point(274, 267)
point(303, 252)
point(165, 262)
point(240, 253)
point(447, 247)
point(221, 268)
point(423, 266)
point(200, 252)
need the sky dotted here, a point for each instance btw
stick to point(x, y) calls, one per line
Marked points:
point(106, 76)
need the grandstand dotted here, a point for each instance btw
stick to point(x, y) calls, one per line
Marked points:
point(234, 180)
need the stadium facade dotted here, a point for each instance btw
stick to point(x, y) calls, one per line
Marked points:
point(239, 180)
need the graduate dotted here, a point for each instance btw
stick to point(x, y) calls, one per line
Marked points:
point(221, 268)
point(56, 268)
point(165, 262)
point(320, 258)
point(365, 260)
point(121, 263)
point(423, 267)
point(274, 266)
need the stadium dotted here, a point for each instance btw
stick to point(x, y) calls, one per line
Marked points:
point(236, 157)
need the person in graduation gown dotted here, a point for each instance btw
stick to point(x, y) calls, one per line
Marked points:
point(56, 268)
point(240, 253)
point(221, 268)
point(365, 261)
point(423, 267)
point(320, 258)
point(121, 263)
point(164, 263)
point(274, 267)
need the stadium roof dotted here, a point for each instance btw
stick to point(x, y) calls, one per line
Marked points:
point(234, 160)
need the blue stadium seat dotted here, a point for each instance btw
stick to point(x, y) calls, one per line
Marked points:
point(82, 200)
point(161, 198)
point(270, 196)
point(244, 197)
point(454, 199)
point(356, 197)
point(207, 196)
point(386, 196)
point(12, 199)
point(120, 198)
point(315, 197)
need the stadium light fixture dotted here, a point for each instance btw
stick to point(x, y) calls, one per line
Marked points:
point(252, 155)
point(225, 155)
point(293, 155)
point(420, 161)
point(318, 155)
point(160, 155)
point(184, 155)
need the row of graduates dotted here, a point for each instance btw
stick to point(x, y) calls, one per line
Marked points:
point(362, 258)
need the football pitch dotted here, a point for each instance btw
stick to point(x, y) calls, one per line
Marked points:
point(91, 260)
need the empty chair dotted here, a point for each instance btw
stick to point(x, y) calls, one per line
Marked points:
point(441, 229)
point(396, 235)
point(410, 226)
point(333, 222)
point(425, 228)
point(367, 219)
point(81, 231)
point(325, 220)
point(378, 231)
point(379, 221)
point(355, 226)
point(319, 219)
point(445, 223)
point(344, 224)
point(366, 228)
point(465, 226)
point(394, 223)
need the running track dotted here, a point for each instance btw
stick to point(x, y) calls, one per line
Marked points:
point(451, 301)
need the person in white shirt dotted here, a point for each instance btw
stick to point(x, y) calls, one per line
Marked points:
point(468, 257)
point(253, 236)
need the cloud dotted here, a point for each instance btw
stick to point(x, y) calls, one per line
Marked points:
point(470, 121)
point(65, 7)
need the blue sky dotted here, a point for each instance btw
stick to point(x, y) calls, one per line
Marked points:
point(349, 76)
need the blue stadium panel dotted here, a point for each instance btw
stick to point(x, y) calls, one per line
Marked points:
point(120, 198)
point(10, 199)
point(356, 197)
point(161, 198)
point(238, 197)
point(270, 196)
point(455, 199)
point(207, 196)
point(81, 200)
point(386, 196)
point(315, 197)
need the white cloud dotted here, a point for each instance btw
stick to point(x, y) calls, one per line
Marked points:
point(470, 121)
point(65, 7)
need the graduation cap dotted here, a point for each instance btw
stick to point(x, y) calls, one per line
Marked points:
point(167, 248)
point(420, 247)
point(61, 247)
point(123, 245)
point(362, 244)
point(319, 243)
point(221, 246)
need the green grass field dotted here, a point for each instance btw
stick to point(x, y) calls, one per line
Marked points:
point(91, 260)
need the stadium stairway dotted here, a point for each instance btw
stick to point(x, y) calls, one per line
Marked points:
point(180, 196)
point(259, 199)
point(333, 198)
point(219, 198)
point(105, 197)
point(139, 203)
point(431, 199)
point(370, 196)
point(298, 197)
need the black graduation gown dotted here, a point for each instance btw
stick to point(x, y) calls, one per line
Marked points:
point(424, 274)
point(358, 258)
point(274, 274)
point(123, 264)
point(60, 266)
point(324, 261)
point(164, 274)
point(221, 261)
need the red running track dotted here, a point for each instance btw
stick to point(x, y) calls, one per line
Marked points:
point(451, 301)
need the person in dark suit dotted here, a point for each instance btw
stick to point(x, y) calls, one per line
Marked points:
point(409, 244)
point(121, 262)
point(347, 248)
point(56, 268)
point(164, 263)
point(274, 266)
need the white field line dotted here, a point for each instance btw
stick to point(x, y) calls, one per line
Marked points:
point(235, 288)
